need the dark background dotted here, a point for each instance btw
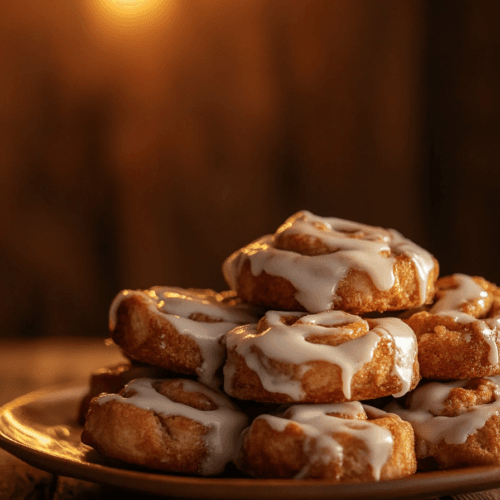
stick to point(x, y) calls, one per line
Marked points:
point(141, 142)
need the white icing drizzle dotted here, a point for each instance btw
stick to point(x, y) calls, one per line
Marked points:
point(451, 304)
point(226, 423)
point(289, 344)
point(465, 291)
point(320, 429)
point(428, 401)
point(405, 345)
point(176, 305)
point(317, 277)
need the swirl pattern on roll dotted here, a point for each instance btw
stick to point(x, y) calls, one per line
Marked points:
point(347, 442)
point(320, 358)
point(456, 423)
point(173, 425)
point(315, 264)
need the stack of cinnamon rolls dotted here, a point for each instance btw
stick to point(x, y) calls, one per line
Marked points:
point(338, 354)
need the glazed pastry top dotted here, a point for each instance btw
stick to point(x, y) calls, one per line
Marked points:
point(321, 422)
point(191, 303)
point(454, 300)
point(300, 338)
point(463, 299)
point(225, 422)
point(315, 254)
point(450, 411)
point(204, 315)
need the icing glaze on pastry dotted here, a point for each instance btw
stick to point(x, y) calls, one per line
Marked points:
point(289, 343)
point(225, 423)
point(340, 247)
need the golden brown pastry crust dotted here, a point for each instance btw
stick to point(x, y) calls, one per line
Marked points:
point(150, 335)
point(268, 452)
point(320, 381)
point(141, 334)
point(449, 349)
point(355, 293)
point(137, 436)
point(149, 438)
point(481, 447)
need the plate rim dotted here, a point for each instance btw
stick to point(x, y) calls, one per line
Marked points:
point(426, 484)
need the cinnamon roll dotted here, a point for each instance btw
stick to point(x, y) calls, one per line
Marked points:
point(456, 424)
point(458, 336)
point(342, 443)
point(177, 329)
point(315, 264)
point(328, 357)
point(171, 425)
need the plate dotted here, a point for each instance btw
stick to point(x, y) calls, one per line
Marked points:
point(41, 429)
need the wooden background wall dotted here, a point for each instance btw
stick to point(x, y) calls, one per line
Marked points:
point(141, 143)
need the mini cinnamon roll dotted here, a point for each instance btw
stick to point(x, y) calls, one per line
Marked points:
point(458, 336)
point(315, 264)
point(177, 329)
point(343, 443)
point(456, 424)
point(171, 425)
point(330, 357)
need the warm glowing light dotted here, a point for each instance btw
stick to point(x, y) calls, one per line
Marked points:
point(132, 7)
point(128, 3)
point(130, 15)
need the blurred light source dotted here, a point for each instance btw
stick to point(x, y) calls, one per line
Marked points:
point(129, 6)
point(128, 14)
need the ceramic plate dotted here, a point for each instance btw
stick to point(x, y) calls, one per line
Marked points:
point(40, 428)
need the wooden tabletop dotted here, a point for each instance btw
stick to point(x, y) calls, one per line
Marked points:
point(29, 365)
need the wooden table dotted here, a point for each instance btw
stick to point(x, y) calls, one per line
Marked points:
point(29, 365)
